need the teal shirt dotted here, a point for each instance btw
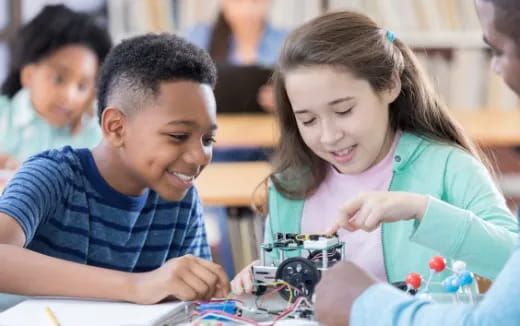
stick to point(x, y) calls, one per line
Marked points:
point(24, 133)
point(466, 218)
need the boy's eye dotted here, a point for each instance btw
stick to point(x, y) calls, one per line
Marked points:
point(308, 122)
point(494, 52)
point(178, 137)
point(208, 141)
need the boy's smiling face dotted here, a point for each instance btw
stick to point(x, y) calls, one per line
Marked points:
point(166, 144)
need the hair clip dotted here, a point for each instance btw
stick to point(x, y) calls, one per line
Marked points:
point(390, 36)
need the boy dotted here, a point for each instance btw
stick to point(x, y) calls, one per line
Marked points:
point(122, 221)
point(348, 292)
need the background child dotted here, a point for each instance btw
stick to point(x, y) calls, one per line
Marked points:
point(364, 142)
point(336, 297)
point(47, 97)
point(122, 221)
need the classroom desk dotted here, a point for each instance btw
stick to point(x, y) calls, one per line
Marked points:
point(487, 127)
point(231, 184)
point(491, 127)
point(246, 130)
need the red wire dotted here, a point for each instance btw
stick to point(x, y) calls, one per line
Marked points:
point(270, 293)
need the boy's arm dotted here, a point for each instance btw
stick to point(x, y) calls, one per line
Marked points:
point(498, 307)
point(179, 278)
point(32, 196)
point(51, 276)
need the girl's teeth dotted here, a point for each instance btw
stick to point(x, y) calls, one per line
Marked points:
point(345, 151)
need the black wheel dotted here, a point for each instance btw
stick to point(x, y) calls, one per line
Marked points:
point(301, 274)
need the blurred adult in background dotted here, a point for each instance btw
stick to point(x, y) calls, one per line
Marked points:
point(241, 34)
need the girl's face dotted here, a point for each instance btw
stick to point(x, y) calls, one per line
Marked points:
point(62, 85)
point(245, 12)
point(340, 118)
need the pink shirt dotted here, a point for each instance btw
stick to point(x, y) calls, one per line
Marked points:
point(320, 211)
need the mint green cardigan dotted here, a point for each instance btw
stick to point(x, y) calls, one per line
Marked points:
point(466, 217)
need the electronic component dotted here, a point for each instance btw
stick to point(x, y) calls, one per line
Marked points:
point(300, 273)
point(229, 307)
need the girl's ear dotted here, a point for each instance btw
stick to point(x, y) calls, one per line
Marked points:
point(395, 87)
point(26, 75)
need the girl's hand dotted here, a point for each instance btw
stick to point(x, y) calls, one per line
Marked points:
point(369, 209)
point(243, 281)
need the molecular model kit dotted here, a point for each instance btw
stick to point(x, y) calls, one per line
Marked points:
point(461, 284)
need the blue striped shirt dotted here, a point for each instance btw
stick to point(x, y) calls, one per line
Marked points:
point(68, 211)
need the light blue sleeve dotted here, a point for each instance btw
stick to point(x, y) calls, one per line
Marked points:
point(199, 35)
point(500, 306)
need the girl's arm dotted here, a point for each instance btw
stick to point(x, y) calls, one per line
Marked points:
point(472, 223)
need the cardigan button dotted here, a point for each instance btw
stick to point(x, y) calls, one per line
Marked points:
point(397, 158)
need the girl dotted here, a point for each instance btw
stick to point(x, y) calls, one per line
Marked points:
point(366, 147)
point(47, 97)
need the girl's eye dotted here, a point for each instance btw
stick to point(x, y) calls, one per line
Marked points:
point(82, 87)
point(308, 122)
point(58, 79)
point(345, 112)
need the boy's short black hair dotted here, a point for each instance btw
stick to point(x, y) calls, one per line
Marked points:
point(55, 27)
point(134, 69)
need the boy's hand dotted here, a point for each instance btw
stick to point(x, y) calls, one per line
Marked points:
point(186, 278)
point(243, 281)
point(337, 290)
point(369, 209)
